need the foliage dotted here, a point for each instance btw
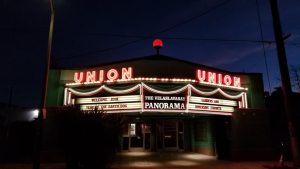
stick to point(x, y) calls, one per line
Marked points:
point(90, 137)
point(295, 77)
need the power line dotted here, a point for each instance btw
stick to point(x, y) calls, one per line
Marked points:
point(30, 31)
point(154, 34)
point(263, 44)
point(193, 18)
point(182, 38)
point(294, 44)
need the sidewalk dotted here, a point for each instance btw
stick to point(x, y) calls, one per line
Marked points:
point(169, 160)
point(139, 160)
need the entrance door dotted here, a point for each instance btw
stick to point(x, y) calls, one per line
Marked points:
point(139, 136)
point(170, 134)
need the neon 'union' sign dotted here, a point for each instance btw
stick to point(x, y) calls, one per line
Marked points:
point(102, 75)
point(126, 74)
point(208, 77)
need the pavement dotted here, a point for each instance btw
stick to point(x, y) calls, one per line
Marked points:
point(168, 160)
point(164, 160)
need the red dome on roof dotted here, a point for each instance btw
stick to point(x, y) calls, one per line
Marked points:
point(157, 43)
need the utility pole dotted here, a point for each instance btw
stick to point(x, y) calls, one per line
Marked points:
point(42, 113)
point(10, 110)
point(285, 81)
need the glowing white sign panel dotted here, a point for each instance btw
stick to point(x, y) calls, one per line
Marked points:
point(112, 106)
point(112, 99)
point(214, 108)
point(112, 103)
point(213, 101)
point(164, 102)
point(170, 106)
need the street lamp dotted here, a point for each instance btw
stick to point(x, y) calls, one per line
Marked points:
point(35, 113)
point(42, 114)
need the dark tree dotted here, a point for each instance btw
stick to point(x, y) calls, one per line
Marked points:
point(278, 122)
point(90, 138)
point(295, 78)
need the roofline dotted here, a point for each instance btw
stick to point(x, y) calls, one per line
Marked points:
point(150, 57)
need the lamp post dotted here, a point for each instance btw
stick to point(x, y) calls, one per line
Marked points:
point(42, 114)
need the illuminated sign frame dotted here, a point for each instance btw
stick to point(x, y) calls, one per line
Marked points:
point(111, 103)
point(159, 102)
point(125, 102)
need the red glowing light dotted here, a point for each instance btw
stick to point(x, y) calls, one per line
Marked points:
point(157, 43)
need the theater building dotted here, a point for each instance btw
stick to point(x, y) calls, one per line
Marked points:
point(172, 105)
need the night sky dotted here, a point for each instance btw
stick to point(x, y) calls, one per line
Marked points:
point(220, 33)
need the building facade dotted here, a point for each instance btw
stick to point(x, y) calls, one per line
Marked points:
point(172, 105)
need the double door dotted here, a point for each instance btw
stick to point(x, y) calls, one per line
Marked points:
point(137, 137)
point(170, 135)
point(163, 135)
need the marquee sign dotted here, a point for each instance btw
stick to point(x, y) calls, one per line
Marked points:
point(186, 99)
point(121, 103)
